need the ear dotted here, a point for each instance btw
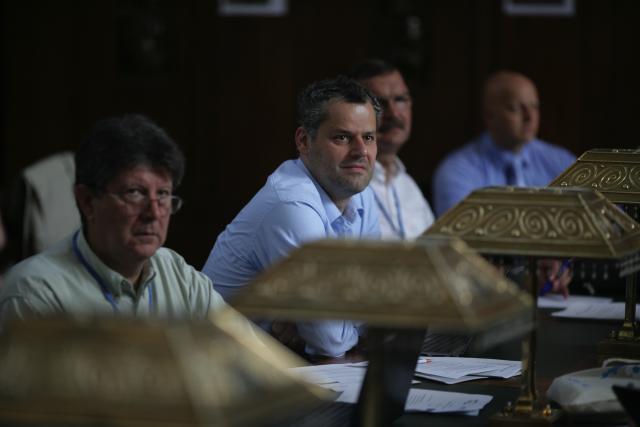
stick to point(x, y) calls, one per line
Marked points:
point(302, 141)
point(85, 200)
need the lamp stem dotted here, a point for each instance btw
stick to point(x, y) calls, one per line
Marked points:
point(630, 325)
point(528, 394)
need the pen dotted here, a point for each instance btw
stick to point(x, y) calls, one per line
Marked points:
point(548, 285)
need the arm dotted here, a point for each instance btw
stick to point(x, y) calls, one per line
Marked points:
point(286, 227)
point(15, 308)
point(25, 298)
point(453, 181)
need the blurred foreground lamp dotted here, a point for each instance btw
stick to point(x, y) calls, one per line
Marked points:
point(121, 372)
point(398, 289)
point(538, 223)
point(616, 174)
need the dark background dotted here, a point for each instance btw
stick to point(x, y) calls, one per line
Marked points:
point(224, 87)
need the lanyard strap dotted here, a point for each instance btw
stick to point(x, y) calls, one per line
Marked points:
point(103, 286)
point(400, 228)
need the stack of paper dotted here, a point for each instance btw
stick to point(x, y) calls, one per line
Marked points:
point(347, 380)
point(605, 311)
point(559, 301)
point(453, 370)
point(444, 401)
point(585, 307)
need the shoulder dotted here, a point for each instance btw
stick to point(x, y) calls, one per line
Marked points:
point(168, 263)
point(295, 219)
point(291, 183)
point(469, 154)
point(46, 265)
point(552, 153)
point(407, 182)
point(409, 190)
point(34, 280)
point(470, 158)
point(288, 187)
point(547, 147)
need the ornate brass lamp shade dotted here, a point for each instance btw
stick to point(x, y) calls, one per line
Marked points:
point(616, 174)
point(128, 373)
point(613, 172)
point(565, 223)
point(389, 285)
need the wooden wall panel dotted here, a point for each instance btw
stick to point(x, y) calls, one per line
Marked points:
point(225, 87)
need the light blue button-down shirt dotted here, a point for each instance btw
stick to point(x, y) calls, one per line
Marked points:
point(481, 163)
point(291, 209)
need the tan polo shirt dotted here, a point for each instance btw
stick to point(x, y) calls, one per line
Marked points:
point(56, 282)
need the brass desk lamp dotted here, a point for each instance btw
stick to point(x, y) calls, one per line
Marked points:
point(538, 223)
point(616, 174)
point(398, 289)
point(121, 372)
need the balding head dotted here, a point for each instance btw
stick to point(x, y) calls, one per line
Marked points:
point(510, 104)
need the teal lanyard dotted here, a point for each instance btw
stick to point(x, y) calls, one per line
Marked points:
point(387, 215)
point(103, 286)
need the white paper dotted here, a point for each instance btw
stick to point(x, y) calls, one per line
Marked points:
point(347, 379)
point(460, 367)
point(559, 301)
point(331, 373)
point(611, 311)
point(449, 381)
point(444, 401)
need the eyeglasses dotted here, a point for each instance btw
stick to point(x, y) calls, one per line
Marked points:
point(139, 199)
point(399, 102)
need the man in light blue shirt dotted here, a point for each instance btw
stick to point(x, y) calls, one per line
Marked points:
point(508, 153)
point(322, 194)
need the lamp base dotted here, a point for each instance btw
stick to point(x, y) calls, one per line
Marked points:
point(616, 347)
point(537, 417)
point(392, 354)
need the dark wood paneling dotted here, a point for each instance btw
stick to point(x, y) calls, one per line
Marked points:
point(225, 87)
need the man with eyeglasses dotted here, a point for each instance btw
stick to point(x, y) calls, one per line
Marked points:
point(404, 212)
point(126, 172)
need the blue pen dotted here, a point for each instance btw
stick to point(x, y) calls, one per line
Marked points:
point(548, 285)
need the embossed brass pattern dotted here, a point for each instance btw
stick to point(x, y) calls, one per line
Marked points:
point(614, 172)
point(538, 222)
point(388, 284)
point(141, 374)
point(546, 222)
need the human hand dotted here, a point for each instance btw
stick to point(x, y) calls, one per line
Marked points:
point(554, 276)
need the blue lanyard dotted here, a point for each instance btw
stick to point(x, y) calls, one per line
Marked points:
point(103, 286)
point(400, 229)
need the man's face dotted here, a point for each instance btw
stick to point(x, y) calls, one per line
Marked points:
point(342, 154)
point(512, 115)
point(395, 99)
point(121, 232)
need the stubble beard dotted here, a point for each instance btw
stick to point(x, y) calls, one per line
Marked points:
point(350, 185)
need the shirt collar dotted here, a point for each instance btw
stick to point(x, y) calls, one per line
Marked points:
point(112, 279)
point(505, 157)
point(379, 174)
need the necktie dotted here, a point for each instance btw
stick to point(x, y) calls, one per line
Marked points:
point(510, 174)
point(513, 174)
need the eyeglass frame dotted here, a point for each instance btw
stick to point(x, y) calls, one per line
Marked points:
point(401, 102)
point(146, 201)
